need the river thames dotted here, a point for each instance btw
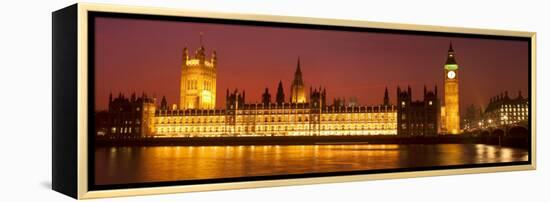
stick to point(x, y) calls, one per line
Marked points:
point(121, 165)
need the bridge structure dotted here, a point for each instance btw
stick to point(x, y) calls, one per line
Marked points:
point(511, 129)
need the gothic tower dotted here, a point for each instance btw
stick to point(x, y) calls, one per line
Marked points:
point(280, 94)
point(451, 113)
point(266, 97)
point(297, 90)
point(198, 80)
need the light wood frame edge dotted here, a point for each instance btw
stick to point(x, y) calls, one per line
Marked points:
point(84, 193)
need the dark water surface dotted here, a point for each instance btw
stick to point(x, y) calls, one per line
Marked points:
point(120, 165)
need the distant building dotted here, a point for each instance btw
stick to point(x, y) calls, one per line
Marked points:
point(353, 102)
point(472, 118)
point(502, 110)
point(339, 102)
point(417, 117)
point(126, 117)
point(343, 102)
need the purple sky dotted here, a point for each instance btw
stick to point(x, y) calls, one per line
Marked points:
point(145, 56)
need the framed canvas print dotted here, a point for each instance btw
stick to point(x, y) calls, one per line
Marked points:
point(149, 100)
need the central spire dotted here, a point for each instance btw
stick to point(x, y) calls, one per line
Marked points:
point(298, 74)
point(298, 70)
point(297, 89)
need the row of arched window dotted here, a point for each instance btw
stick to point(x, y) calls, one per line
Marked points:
point(376, 117)
point(276, 128)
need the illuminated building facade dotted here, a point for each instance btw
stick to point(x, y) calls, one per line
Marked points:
point(417, 117)
point(450, 112)
point(274, 119)
point(503, 110)
point(198, 80)
point(303, 114)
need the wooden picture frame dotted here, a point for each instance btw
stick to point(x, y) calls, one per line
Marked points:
point(76, 134)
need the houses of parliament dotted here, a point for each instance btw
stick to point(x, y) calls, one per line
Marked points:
point(303, 112)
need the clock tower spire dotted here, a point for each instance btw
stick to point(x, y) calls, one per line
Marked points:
point(451, 109)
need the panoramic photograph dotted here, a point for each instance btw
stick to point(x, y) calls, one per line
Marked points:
point(179, 101)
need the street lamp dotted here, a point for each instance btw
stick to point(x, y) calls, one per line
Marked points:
point(480, 128)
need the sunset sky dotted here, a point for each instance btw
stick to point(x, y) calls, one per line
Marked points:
point(145, 56)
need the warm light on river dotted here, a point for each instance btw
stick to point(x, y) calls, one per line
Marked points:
point(119, 165)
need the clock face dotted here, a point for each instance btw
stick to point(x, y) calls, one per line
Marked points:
point(451, 74)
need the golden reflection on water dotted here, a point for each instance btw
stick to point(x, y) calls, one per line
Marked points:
point(116, 165)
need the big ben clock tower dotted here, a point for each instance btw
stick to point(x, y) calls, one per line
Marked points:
point(451, 113)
